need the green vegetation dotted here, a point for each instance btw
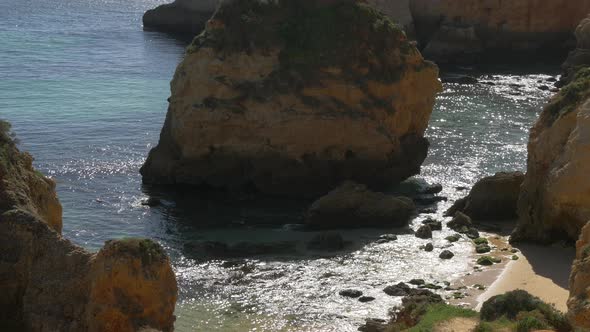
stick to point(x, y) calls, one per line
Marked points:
point(148, 250)
point(480, 240)
point(570, 96)
point(497, 325)
point(437, 313)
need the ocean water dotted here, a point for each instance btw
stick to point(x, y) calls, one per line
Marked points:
point(85, 88)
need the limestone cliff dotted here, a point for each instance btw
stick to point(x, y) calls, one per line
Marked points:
point(180, 17)
point(578, 304)
point(293, 97)
point(49, 284)
point(476, 30)
point(580, 56)
point(554, 201)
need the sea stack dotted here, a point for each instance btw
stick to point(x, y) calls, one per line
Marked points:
point(472, 31)
point(554, 202)
point(291, 98)
point(49, 284)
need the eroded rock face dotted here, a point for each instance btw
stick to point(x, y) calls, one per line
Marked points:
point(49, 284)
point(578, 304)
point(187, 17)
point(491, 198)
point(475, 30)
point(554, 202)
point(353, 205)
point(579, 57)
point(259, 104)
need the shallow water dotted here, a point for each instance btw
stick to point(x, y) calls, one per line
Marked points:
point(86, 89)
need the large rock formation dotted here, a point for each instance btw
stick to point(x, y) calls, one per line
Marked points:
point(480, 30)
point(397, 10)
point(292, 98)
point(579, 57)
point(554, 201)
point(578, 304)
point(180, 17)
point(49, 284)
point(491, 198)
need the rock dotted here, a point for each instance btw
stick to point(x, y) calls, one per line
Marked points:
point(462, 79)
point(491, 198)
point(472, 233)
point(328, 241)
point(354, 205)
point(579, 283)
point(424, 232)
point(186, 17)
point(432, 189)
point(416, 282)
point(151, 202)
point(365, 299)
point(401, 289)
point(543, 88)
point(482, 248)
point(580, 56)
point(49, 284)
point(428, 199)
point(446, 254)
point(398, 11)
point(485, 260)
point(459, 221)
point(512, 303)
point(554, 203)
point(374, 325)
point(413, 307)
point(350, 293)
point(434, 225)
point(480, 240)
point(453, 238)
point(258, 106)
point(430, 286)
point(388, 237)
point(428, 247)
point(473, 31)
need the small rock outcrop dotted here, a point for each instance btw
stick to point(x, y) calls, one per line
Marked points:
point(491, 198)
point(473, 30)
point(354, 205)
point(554, 201)
point(578, 305)
point(186, 17)
point(258, 104)
point(49, 284)
point(580, 56)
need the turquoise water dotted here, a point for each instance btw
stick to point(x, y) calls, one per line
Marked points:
point(86, 90)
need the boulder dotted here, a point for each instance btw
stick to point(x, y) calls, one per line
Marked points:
point(258, 105)
point(458, 31)
point(491, 198)
point(554, 202)
point(49, 284)
point(185, 17)
point(424, 232)
point(353, 205)
point(350, 293)
point(428, 247)
point(579, 284)
point(460, 222)
point(580, 56)
point(446, 254)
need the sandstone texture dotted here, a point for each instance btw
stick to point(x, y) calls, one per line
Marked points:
point(49, 284)
point(580, 56)
point(554, 202)
point(187, 17)
point(493, 30)
point(353, 205)
point(292, 98)
point(578, 304)
point(491, 198)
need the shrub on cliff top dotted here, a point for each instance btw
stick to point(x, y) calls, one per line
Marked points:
point(571, 95)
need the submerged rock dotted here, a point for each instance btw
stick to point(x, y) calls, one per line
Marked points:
point(49, 284)
point(459, 31)
point(258, 105)
point(554, 201)
point(491, 198)
point(181, 16)
point(353, 205)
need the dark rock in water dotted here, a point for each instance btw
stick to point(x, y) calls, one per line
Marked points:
point(353, 205)
point(365, 299)
point(430, 286)
point(453, 238)
point(428, 247)
point(480, 240)
point(459, 221)
point(185, 17)
point(428, 199)
point(491, 198)
point(551, 79)
point(472, 233)
point(543, 88)
point(432, 189)
point(446, 254)
point(428, 210)
point(424, 232)
point(434, 225)
point(151, 202)
point(416, 282)
point(401, 289)
point(374, 325)
point(488, 83)
point(328, 241)
point(385, 238)
point(482, 248)
point(350, 293)
point(461, 188)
